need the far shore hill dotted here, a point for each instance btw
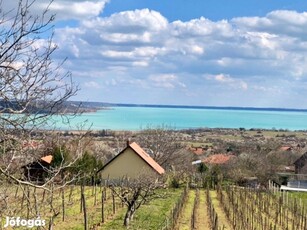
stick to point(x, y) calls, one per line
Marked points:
point(94, 106)
point(88, 107)
point(106, 105)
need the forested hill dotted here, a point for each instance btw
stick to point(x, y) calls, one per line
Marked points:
point(66, 107)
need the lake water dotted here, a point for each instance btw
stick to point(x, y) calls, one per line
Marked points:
point(135, 118)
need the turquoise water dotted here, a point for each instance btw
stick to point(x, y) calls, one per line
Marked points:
point(135, 118)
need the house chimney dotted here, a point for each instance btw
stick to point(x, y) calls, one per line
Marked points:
point(128, 142)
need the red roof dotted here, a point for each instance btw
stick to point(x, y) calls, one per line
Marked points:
point(197, 150)
point(47, 159)
point(30, 144)
point(151, 162)
point(218, 159)
point(285, 148)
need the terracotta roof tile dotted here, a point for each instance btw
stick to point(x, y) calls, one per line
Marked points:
point(285, 148)
point(47, 159)
point(218, 159)
point(197, 151)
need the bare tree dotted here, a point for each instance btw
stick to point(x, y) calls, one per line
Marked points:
point(161, 143)
point(33, 87)
point(135, 192)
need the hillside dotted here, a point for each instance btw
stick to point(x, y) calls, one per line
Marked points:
point(41, 107)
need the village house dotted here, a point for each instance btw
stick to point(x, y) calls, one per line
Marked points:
point(297, 181)
point(131, 162)
point(218, 159)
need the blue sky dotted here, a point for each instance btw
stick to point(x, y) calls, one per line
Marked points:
point(185, 10)
point(185, 52)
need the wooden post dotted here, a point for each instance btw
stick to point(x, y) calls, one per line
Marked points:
point(95, 194)
point(63, 204)
point(43, 197)
point(70, 193)
point(51, 198)
point(81, 203)
point(113, 201)
point(102, 206)
point(28, 202)
point(35, 203)
point(16, 193)
point(84, 208)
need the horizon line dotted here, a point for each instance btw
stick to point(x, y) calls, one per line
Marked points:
point(197, 106)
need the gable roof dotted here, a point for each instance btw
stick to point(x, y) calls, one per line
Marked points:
point(142, 154)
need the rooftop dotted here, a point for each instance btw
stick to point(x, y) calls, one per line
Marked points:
point(218, 158)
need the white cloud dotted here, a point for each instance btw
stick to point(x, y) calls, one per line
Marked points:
point(138, 47)
point(282, 22)
point(223, 78)
point(63, 9)
point(169, 81)
point(202, 27)
point(230, 81)
point(92, 85)
point(140, 63)
point(66, 9)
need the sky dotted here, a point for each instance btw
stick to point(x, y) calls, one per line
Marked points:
point(185, 52)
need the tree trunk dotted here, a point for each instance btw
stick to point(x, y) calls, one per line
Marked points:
point(129, 216)
point(84, 208)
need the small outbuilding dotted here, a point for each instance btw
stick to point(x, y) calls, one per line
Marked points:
point(131, 162)
point(37, 170)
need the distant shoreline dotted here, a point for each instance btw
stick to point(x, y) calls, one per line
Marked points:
point(106, 105)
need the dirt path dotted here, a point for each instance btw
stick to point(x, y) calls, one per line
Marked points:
point(202, 218)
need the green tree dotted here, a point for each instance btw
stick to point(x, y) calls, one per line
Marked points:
point(86, 167)
point(61, 155)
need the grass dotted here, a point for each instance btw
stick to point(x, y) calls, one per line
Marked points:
point(274, 133)
point(222, 218)
point(299, 195)
point(202, 218)
point(150, 216)
point(73, 216)
point(184, 222)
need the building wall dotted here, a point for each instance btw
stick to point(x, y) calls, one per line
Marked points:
point(303, 170)
point(127, 164)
